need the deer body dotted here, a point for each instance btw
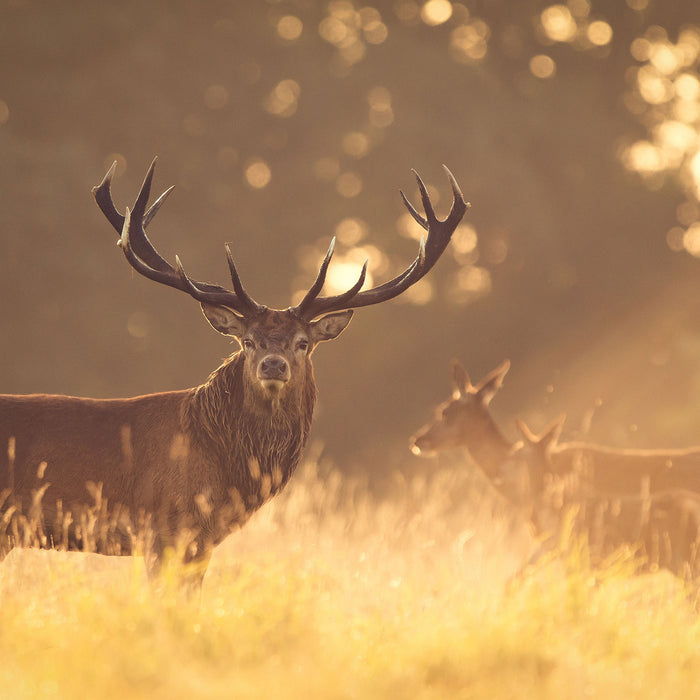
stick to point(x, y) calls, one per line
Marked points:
point(620, 470)
point(639, 507)
point(202, 458)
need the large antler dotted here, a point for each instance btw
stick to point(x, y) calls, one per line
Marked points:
point(439, 234)
point(146, 260)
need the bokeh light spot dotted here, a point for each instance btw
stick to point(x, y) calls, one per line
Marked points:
point(333, 30)
point(284, 98)
point(640, 48)
point(355, 144)
point(643, 157)
point(542, 66)
point(468, 42)
point(379, 98)
point(408, 227)
point(258, 174)
point(350, 231)
point(464, 239)
point(435, 12)
point(691, 240)
point(654, 89)
point(558, 23)
point(599, 33)
point(663, 57)
point(381, 113)
point(375, 32)
point(348, 185)
point(694, 167)
point(289, 27)
point(687, 87)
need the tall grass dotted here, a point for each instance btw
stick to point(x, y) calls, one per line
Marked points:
point(329, 592)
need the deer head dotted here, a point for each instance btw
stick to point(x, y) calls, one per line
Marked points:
point(464, 420)
point(276, 344)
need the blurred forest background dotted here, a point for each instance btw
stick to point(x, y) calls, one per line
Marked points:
point(572, 128)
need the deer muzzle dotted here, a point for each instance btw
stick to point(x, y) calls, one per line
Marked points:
point(273, 372)
point(421, 444)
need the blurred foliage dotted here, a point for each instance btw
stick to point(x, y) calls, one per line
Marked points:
point(572, 128)
point(331, 593)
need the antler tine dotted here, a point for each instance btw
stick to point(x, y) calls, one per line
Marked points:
point(213, 296)
point(459, 206)
point(238, 288)
point(103, 197)
point(144, 258)
point(429, 251)
point(317, 286)
point(411, 210)
point(153, 209)
point(323, 305)
point(143, 247)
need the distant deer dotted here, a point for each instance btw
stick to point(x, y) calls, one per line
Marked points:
point(620, 470)
point(666, 522)
point(204, 457)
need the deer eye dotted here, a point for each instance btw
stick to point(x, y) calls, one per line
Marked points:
point(303, 345)
point(248, 344)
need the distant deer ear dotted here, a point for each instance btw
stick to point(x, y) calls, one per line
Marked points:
point(330, 326)
point(460, 378)
point(222, 319)
point(492, 382)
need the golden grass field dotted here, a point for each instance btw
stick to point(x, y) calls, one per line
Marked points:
point(330, 592)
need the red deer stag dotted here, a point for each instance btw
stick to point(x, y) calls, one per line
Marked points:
point(204, 457)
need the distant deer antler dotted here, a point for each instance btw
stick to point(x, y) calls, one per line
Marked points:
point(439, 234)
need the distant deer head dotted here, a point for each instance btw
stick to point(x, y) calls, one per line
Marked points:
point(464, 421)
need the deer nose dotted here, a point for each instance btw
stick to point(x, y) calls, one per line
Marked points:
point(420, 444)
point(274, 367)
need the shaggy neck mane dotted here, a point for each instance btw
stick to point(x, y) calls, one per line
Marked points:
point(257, 444)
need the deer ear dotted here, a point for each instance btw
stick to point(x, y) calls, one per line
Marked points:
point(330, 326)
point(460, 379)
point(492, 382)
point(222, 319)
